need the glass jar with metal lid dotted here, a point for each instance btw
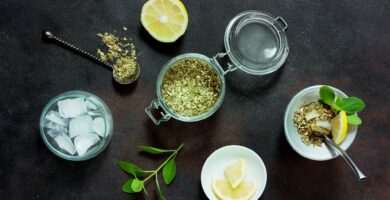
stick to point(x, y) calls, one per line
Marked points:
point(255, 43)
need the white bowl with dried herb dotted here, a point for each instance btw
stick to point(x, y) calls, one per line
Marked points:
point(319, 111)
point(190, 88)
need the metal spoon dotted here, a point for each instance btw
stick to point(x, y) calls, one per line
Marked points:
point(50, 37)
point(343, 154)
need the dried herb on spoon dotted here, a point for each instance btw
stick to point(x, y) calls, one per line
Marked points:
point(122, 55)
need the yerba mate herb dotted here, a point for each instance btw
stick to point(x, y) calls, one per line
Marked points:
point(191, 87)
point(122, 55)
point(313, 122)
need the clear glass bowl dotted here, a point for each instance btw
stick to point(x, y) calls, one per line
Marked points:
point(319, 153)
point(100, 111)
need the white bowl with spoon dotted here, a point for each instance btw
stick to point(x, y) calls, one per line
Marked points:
point(319, 153)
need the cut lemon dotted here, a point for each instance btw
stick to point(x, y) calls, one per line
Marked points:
point(165, 20)
point(339, 127)
point(235, 173)
point(224, 191)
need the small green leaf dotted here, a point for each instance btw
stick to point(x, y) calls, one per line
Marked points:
point(354, 120)
point(153, 150)
point(137, 185)
point(169, 171)
point(127, 186)
point(130, 168)
point(327, 95)
point(352, 105)
point(338, 103)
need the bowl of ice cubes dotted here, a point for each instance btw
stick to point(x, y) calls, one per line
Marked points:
point(76, 125)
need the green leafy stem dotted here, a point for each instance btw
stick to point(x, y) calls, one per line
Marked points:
point(351, 105)
point(136, 184)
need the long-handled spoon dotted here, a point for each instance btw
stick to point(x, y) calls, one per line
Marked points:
point(343, 154)
point(50, 37)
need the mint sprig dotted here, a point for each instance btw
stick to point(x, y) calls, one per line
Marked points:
point(351, 105)
point(136, 183)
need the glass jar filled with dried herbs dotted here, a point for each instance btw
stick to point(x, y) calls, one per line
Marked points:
point(190, 88)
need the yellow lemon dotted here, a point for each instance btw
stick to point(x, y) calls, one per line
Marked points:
point(235, 173)
point(339, 127)
point(165, 20)
point(224, 191)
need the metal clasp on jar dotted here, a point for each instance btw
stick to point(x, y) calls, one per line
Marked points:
point(156, 106)
point(230, 67)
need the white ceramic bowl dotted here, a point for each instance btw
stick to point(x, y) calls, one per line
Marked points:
point(215, 165)
point(312, 152)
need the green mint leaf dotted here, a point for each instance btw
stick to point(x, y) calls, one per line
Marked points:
point(338, 103)
point(130, 168)
point(169, 171)
point(137, 185)
point(153, 150)
point(127, 186)
point(352, 105)
point(327, 95)
point(354, 120)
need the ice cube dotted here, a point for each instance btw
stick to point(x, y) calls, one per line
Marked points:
point(65, 143)
point(55, 117)
point(80, 125)
point(99, 126)
point(54, 133)
point(55, 127)
point(85, 142)
point(95, 113)
point(311, 114)
point(71, 108)
point(89, 102)
point(324, 124)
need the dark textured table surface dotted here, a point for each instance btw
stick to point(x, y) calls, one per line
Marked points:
point(345, 44)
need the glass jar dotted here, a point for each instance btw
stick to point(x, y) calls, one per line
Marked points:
point(166, 111)
point(255, 43)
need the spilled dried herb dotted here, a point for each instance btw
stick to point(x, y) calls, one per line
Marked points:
point(122, 55)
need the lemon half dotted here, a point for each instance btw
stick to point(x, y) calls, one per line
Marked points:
point(165, 20)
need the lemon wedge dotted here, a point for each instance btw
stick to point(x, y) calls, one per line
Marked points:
point(235, 173)
point(165, 20)
point(339, 127)
point(224, 191)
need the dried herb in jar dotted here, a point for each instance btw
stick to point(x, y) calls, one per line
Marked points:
point(191, 87)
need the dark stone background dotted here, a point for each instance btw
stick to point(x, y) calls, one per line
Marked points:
point(343, 43)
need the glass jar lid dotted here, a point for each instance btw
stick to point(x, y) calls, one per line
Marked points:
point(256, 42)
